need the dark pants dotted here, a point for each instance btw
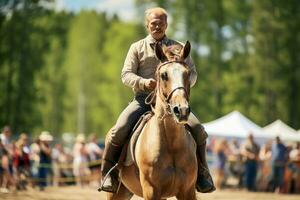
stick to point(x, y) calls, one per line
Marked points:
point(42, 176)
point(119, 133)
point(277, 175)
point(250, 174)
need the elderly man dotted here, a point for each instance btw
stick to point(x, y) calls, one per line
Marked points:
point(138, 73)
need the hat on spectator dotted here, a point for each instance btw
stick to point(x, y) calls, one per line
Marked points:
point(80, 138)
point(45, 136)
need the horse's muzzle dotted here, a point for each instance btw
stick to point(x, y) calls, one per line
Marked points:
point(182, 113)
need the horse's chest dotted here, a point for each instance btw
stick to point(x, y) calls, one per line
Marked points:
point(177, 167)
point(172, 172)
point(174, 178)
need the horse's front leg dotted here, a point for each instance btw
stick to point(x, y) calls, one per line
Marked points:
point(150, 191)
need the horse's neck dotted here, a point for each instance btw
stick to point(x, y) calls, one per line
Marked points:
point(169, 129)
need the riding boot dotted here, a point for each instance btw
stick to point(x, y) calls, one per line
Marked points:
point(205, 182)
point(110, 177)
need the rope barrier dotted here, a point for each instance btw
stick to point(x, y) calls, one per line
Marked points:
point(64, 166)
point(59, 166)
point(60, 179)
point(68, 166)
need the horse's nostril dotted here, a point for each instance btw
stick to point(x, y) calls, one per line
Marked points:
point(176, 110)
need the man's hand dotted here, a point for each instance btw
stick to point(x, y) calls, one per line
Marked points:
point(150, 84)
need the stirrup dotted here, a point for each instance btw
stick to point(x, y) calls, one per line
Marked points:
point(104, 179)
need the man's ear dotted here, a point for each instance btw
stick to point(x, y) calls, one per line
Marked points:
point(186, 50)
point(160, 53)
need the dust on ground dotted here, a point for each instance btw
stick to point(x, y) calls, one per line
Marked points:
point(77, 193)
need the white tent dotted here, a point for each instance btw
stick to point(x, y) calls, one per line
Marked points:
point(279, 128)
point(234, 125)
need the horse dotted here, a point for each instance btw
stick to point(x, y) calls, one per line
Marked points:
point(165, 152)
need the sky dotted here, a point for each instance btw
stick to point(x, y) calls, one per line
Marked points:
point(124, 8)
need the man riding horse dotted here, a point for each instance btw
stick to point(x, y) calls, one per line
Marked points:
point(139, 73)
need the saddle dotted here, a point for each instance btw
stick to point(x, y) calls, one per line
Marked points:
point(127, 157)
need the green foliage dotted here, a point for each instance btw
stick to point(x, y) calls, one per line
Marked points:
point(251, 64)
point(93, 64)
point(22, 39)
point(51, 79)
point(61, 71)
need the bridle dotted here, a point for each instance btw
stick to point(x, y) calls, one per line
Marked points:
point(166, 98)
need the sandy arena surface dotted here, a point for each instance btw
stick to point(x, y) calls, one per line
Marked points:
point(76, 193)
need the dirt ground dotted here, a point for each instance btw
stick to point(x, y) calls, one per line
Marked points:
point(76, 193)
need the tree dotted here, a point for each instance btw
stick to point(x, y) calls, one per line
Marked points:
point(276, 32)
point(51, 78)
point(22, 39)
point(115, 96)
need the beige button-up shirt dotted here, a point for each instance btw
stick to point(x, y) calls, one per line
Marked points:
point(140, 64)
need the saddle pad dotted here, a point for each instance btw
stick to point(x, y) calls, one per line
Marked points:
point(130, 157)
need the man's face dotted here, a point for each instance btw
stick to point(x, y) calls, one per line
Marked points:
point(157, 25)
point(7, 132)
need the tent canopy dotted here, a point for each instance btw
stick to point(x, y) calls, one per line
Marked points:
point(279, 128)
point(233, 124)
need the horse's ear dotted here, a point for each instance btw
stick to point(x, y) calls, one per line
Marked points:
point(160, 53)
point(186, 50)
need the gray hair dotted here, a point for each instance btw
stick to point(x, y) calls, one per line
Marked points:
point(149, 11)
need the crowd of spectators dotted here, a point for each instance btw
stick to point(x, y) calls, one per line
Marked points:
point(273, 167)
point(46, 162)
point(24, 162)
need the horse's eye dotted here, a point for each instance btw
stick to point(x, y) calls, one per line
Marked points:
point(164, 76)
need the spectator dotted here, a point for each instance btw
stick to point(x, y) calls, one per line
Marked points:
point(95, 154)
point(6, 178)
point(279, 158)
point(294, 167)
point(222, 151)
point(45, 159)
point(3, 154)
point(34, 157)
point(21, 165)
point(5, 138)
point(265, 155)
point(56, 166)
point(250, 151)
point(6, 160)
point(80, 162)
point(236, 165)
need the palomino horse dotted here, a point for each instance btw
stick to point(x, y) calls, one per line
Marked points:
point(165, 152)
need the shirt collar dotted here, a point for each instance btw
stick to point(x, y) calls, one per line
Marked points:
point(152, 41)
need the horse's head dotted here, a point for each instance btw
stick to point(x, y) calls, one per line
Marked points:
point(173, 77)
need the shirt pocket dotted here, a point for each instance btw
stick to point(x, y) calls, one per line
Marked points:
point(150, 65)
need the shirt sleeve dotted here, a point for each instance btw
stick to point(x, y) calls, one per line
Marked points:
point(129, 72)
point(193, 75)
